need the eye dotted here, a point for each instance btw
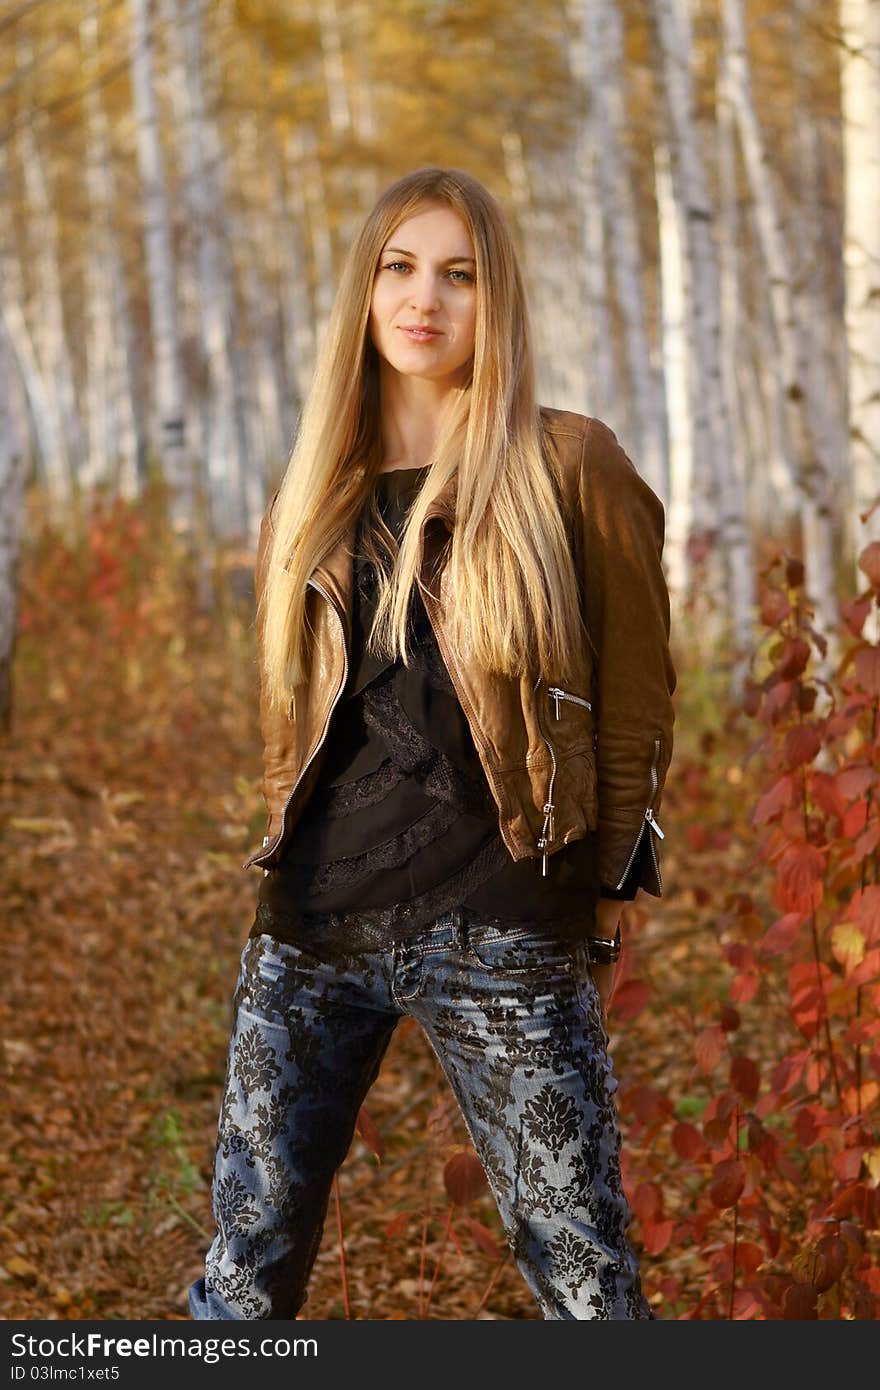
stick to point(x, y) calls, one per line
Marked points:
point(394, 265)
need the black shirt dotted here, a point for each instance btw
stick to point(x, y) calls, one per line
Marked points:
point(401, 825)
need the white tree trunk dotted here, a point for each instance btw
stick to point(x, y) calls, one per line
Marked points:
point(674, 343)
point(558, 345)
point(603, 53)
point(697, 217)
point(704, 319)
point(112, 418)
point(604, 392)
point(225, 439)
point(47, 319)
point(812, 475)
point(860, 95)
point(170, 394)
point(53, 460)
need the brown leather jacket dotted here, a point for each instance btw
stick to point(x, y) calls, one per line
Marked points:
point(560, 762)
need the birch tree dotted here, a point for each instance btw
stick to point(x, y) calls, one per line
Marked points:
point(43, 292)
point(860, 97)
point(54, 465)
point(170, 395)
point(696, 215)
point(674, 347)
point(604, 391)
point(113, 422)
point(603, 52)
point(225, 444)
point(812, 475)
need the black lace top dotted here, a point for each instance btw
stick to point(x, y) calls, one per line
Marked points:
point(401, 825)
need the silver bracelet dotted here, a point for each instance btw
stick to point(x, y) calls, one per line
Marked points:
point(603, 950)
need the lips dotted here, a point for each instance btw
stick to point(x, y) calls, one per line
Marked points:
point(420, 332)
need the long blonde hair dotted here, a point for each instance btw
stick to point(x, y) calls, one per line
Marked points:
point(516, 601)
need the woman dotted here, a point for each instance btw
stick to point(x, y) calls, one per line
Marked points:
point(466, 711)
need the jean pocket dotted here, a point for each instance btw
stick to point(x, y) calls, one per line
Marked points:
point(587, 990)
point(519, 950)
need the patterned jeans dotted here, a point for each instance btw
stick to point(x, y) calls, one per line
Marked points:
point(514, 1019)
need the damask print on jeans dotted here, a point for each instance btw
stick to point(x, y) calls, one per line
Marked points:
point(513, 1017)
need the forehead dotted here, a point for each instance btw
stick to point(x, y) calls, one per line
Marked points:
point(430, 225)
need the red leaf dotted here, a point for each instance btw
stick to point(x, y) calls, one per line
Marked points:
point(866, 912)
point(799, 1302)
point(749, 1256)
point(855, 610)
point(687, 1141)
point(801, 868)
point(867, 669)
point(727, 1183)
point(788, 1072)
point(869, 563)
point(630, 998)
point(794, 658)
point(830, 1262)
point(709, 1047)
point(854, 781)
point(656, 1236)
point(801, 745)
point(645, 1102)
point(780, 938)
point(825, 792)
point(730, 1018)
point(763, 1143)
point(867, 971)
point(854, 819)
point(744, 987)
point(778, 798)
point(368, 1132)
point(744, 1076)
point(464, 1177)
point(806, 1127)
point(647, 1202)
point(717, 1119)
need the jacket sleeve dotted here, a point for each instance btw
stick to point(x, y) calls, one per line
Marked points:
point(626, 604)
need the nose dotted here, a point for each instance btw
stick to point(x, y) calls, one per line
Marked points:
point(423, 293)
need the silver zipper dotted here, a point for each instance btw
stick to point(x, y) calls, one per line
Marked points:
point(648, 820)
point(556, 695)
point(264, 854)
point(547, 829)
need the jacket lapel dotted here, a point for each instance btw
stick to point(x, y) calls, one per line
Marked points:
point(335, 573)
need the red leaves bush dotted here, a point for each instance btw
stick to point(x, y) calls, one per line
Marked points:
point(766, 1164)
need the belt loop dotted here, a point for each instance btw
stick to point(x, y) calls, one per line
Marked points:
point(458, 919)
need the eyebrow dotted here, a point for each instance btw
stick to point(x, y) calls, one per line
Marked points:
point(400, 251)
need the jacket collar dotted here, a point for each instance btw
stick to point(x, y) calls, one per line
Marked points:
point(335, 572)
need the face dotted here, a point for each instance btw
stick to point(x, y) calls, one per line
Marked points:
point(426, 276)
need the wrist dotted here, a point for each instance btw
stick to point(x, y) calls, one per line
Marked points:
point(603, 950)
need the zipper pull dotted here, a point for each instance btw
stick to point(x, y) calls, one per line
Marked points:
point(555, 694)
point(649, 817)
